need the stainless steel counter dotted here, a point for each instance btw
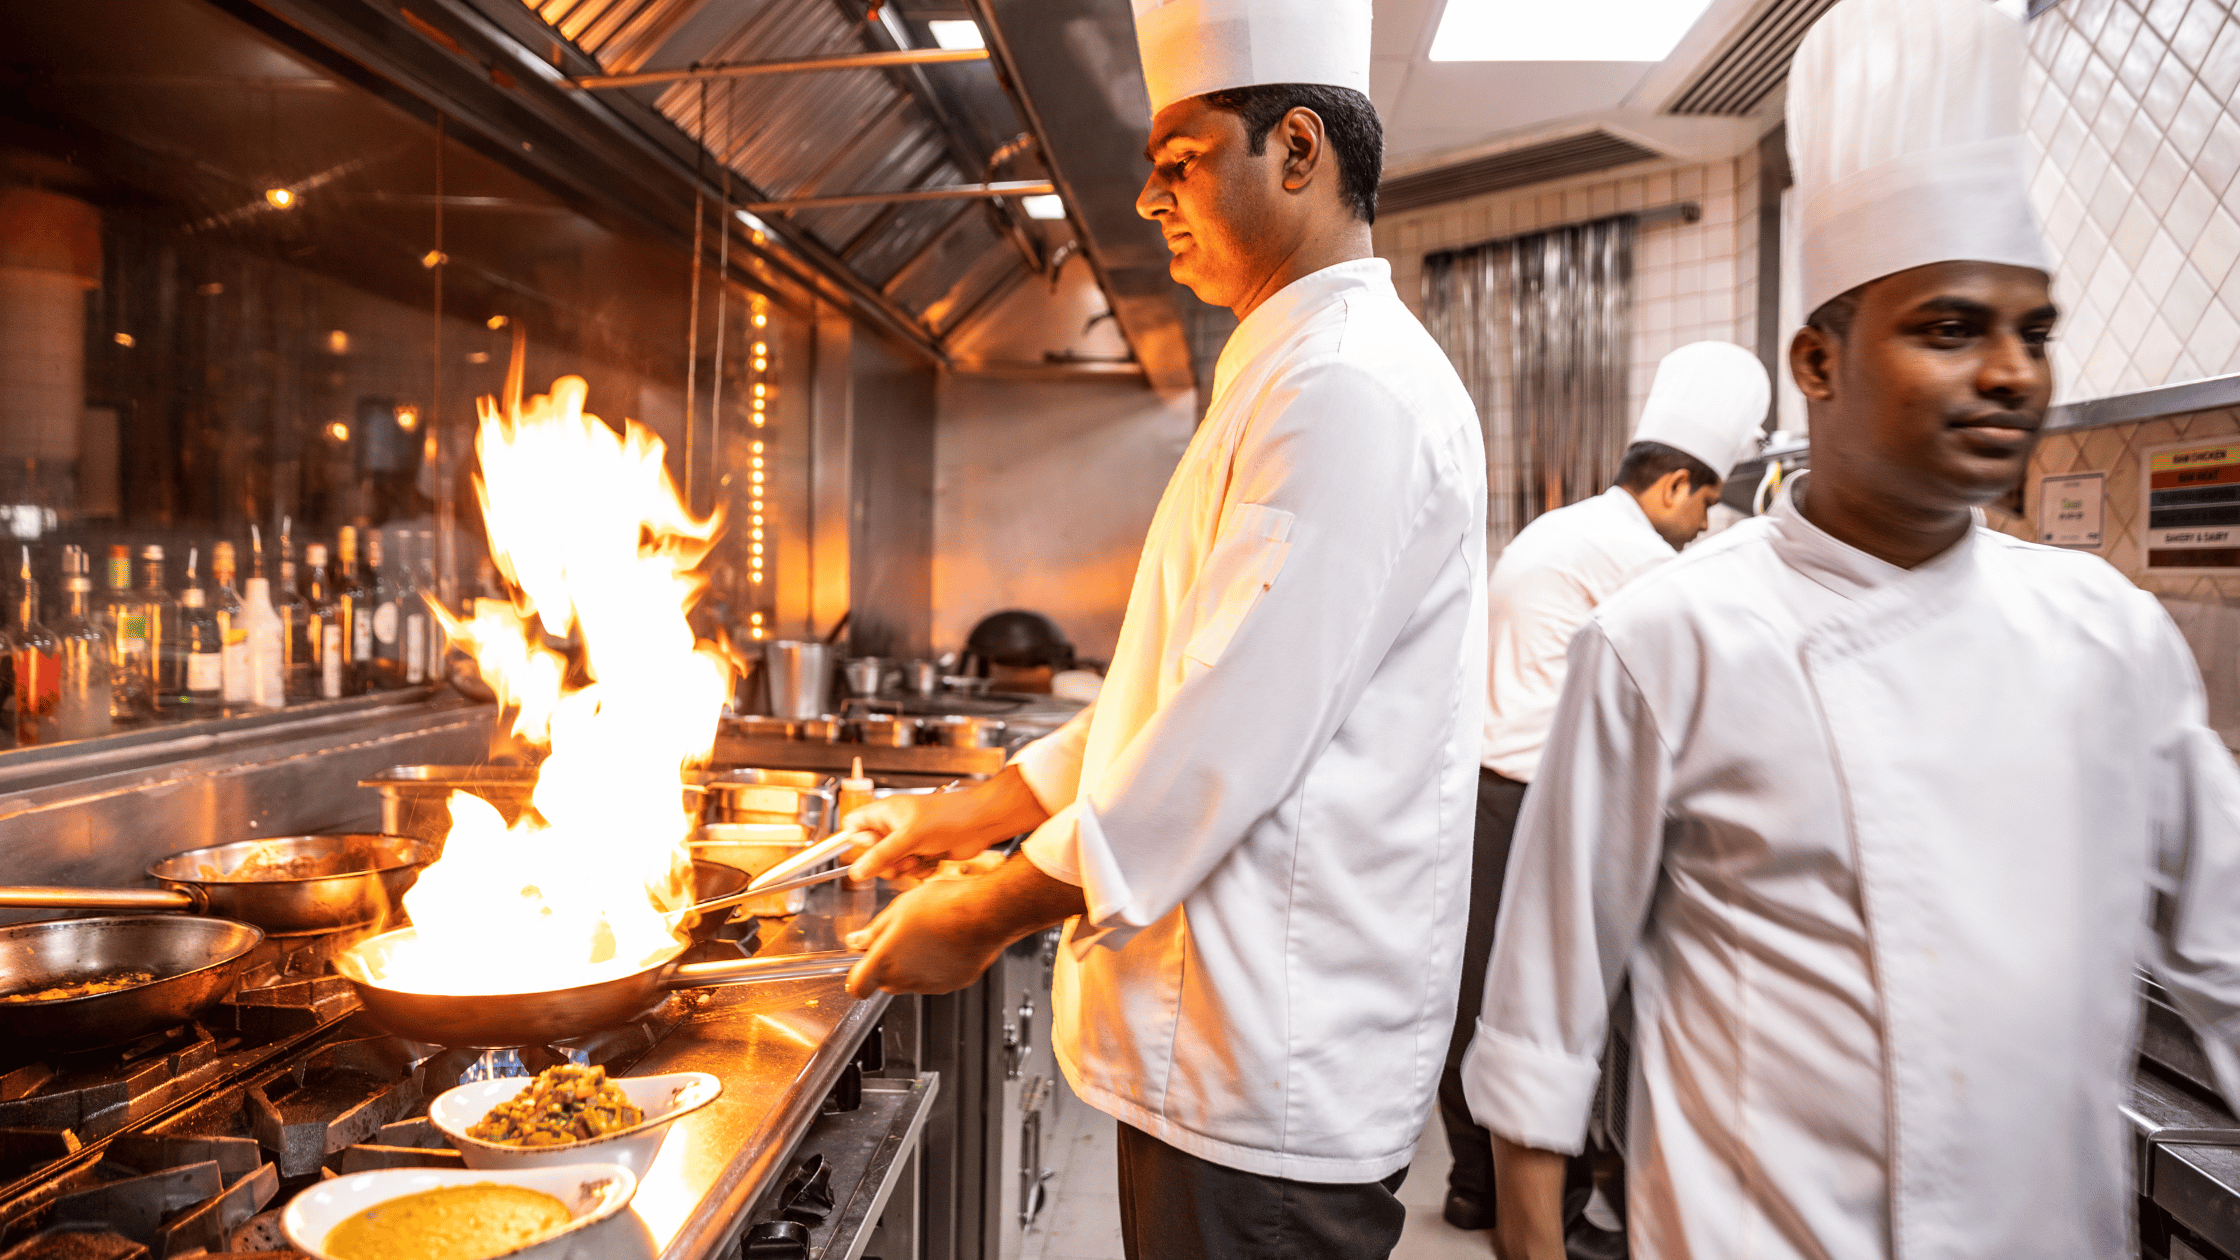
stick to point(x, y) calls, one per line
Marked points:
point(779, 1049)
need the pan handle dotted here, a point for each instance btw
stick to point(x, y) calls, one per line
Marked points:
point(33, 897)
point(752, 970)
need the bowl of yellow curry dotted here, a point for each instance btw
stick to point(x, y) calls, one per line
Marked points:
point(567, 1115)
point(455, 1214)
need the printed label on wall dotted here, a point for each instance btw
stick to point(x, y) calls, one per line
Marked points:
point(2192, 494)
point(2070, 509)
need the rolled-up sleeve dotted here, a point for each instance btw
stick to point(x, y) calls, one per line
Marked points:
point(1343, 515)
point(1582, 872)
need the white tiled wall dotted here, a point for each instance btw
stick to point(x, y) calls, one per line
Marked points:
point(2132, 105)
point(1692, 281)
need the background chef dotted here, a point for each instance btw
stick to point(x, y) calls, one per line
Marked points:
point(1706, 405)
point(1872, 804)
point(1261, 830)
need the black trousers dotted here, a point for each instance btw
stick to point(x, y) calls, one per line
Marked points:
point(1498, 801)
point(1176, 1206)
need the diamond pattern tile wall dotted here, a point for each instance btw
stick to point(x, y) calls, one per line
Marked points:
point(2132, 106)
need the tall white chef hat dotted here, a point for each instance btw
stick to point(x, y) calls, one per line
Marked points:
point(1192, 47)
point(1708, 400)
point(1905, 135)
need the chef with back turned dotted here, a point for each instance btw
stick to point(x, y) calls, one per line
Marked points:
point(1707, 403)
point(1876, 808)
point(1261, 830)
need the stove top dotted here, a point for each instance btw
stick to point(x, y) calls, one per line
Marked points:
point(191, 1139)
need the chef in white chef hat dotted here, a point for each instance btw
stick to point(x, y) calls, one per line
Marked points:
point(1882, 972)
point(1255, 830)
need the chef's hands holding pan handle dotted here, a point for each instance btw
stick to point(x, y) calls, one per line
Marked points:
point(910, 834)
point(939, 936)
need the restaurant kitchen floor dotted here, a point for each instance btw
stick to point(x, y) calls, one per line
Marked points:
point(1081, 1218)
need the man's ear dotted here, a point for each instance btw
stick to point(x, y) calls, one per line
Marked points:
point(1813, 359)
point(1306, 147)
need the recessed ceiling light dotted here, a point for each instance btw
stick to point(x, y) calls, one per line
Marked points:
point(1563, 30)
point(957, 33)
point(1043, 206)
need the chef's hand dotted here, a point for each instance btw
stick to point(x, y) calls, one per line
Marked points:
point(1528, 1194)
point(912, 831)
point(939, 936)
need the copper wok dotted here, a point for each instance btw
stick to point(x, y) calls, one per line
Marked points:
point(284, 884)
point(498, 1020)
point(195, 961)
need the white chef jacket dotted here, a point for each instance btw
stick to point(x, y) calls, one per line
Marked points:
point(1550, 576)
point(1269, 807)
point(1879, 850)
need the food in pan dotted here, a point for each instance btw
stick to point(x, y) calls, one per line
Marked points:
point(263, 865)
point(81, 988)
point(448, 1223)
point(566, 1104)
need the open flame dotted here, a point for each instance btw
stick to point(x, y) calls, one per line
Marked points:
point(586, 524)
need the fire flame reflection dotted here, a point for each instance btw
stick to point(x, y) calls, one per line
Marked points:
point(587, 526)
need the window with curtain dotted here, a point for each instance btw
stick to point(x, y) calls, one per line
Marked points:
point(1540, 329)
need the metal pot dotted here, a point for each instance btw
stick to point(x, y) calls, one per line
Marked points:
point(964, 731)
point(284, 884)
point(195, 962)
point(798, 797)
point(887, 730)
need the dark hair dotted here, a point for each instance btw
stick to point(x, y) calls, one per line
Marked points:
point(1834, 316)
point(1348, 118)
point(1647, 463)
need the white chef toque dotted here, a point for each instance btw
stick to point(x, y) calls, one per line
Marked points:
point(1905, 137)
point(1709, 400)
point(1192, 47)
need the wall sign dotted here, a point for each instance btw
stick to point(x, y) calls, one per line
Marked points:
point(2071, 509)
point(2192, 495)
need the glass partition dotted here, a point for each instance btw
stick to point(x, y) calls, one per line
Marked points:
point(246, 306)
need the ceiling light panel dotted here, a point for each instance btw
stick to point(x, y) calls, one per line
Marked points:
point(957, 33)
point(1572, 30)
point(1043, 206)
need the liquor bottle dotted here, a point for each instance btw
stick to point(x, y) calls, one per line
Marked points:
point(267, 637)
point(201, 647)
point(299, 665)
point(7, 691)
point(388, 619)
point(86, 652)
point(420, 629)
point(356, 603)
point(121, 624)
point(159, 621)
point(233, 637)
point(324, 624)
point(38, 659)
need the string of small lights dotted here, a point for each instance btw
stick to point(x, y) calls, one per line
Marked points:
point(758, 546)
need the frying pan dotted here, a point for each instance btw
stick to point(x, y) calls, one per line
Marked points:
point(344, 880)
point(715, 888)
point(195, 961)
point(495, 1021)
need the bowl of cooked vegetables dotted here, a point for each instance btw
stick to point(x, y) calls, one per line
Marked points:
point(567, 1115)
point(450, 1214)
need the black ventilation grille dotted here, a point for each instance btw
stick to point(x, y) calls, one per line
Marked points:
point(1514, 168)
point(1742, 76)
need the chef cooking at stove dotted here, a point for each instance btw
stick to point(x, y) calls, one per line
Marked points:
point(1874, 806)
point(1261, 830)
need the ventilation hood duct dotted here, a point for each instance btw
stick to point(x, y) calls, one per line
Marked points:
point(1074, 66)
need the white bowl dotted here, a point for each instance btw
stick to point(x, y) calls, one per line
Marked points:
point(662, 1098)
point(593, 1192)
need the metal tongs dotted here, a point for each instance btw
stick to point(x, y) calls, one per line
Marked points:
point(786, 876)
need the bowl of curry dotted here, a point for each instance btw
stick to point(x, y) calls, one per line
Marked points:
point(568, 1115)
point(453, 1214)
